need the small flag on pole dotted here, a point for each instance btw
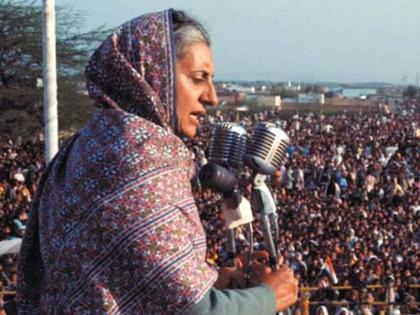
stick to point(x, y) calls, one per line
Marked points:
point(329, 268)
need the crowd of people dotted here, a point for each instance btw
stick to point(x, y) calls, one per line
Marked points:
point(349, 191)
point(21, 165)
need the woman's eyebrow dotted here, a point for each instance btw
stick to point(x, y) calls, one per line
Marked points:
point(205, 72)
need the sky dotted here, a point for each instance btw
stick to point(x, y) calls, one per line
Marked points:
point(298, 40)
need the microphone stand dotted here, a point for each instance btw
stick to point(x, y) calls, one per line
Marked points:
point(237, 211)
point(231, 247)
point(232, 200)
point(231, 244)
point(262, 201)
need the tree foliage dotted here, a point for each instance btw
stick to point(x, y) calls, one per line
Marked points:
point(284, 91)
point(411, 91)
point(21, 45)
point(21, 57)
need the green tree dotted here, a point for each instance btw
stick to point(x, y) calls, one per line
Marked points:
point(313, 88)
point(411, 91)
point(284, 92)
point(21, 61)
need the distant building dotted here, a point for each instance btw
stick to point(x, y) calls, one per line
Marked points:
point(232, 98)
point(289, 100)
point(240, 88)
point(313, 98)
point(334, 92)
point(268, 100)
point(291, 87)
point(358, 93)
point(260, 88)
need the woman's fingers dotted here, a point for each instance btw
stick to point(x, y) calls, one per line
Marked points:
point(260, 256)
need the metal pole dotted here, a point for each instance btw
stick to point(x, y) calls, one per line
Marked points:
point(50, 80)
point(390, 297)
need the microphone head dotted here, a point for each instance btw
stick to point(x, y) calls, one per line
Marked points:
point(217, 178)
point(267, 149)
point(228, 145)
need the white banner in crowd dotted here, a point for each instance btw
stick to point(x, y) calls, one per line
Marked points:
point(10, 246)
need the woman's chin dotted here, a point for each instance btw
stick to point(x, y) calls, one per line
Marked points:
point(189, 132)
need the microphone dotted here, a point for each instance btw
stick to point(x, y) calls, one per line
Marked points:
point(218, 178)
point(227, 147)
point(267, 150)
point(265, 154)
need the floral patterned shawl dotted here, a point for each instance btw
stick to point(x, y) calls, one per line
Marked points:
point(114, 228)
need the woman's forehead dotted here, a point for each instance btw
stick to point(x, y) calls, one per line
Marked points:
point(198, 56)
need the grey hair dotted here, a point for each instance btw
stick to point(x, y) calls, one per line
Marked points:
point(187, 31)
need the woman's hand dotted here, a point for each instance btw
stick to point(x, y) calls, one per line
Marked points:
point(235, 277)
point(230, 278)
point(282, 282)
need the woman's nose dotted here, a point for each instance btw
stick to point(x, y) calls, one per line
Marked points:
point(210, 95)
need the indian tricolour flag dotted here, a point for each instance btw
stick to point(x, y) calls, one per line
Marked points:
point(329, 268)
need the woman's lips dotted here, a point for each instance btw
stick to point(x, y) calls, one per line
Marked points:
point(194, 118)
point(197, 117)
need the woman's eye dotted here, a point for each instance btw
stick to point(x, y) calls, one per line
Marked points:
point(197, 79)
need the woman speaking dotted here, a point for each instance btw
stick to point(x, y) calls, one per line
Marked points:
point(114, 228)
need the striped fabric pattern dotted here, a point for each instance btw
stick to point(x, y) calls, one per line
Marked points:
point(137, 244)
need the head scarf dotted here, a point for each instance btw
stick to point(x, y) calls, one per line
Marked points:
point(114, 228)
point(134, 70)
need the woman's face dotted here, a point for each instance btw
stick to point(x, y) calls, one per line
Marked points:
point(194, 87)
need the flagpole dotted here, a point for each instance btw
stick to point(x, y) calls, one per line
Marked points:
point(50, 80)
